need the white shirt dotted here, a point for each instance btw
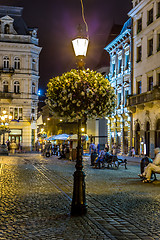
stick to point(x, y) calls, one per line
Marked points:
point(157, 159)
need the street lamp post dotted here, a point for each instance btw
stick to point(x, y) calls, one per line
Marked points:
point(4, 119)
point(79, 206)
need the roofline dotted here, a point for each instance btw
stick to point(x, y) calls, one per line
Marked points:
point(118, 38)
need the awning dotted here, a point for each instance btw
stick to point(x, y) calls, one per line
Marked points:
point(75, 137)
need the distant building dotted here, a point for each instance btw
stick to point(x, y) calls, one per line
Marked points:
point(19, 75)
point(145, 99)
point(119, 124)
point(97, 128)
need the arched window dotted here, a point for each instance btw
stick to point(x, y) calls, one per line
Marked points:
point(6, 62)
point(33, 88)
point(16, 63)
point(6, 29)
point(5, 86)
point(16, 87)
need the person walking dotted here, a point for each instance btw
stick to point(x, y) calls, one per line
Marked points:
point(13, 147)
point(133, 152)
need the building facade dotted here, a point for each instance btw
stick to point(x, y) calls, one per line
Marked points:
point(144, 101)
point(119, 124)
point(19, 75)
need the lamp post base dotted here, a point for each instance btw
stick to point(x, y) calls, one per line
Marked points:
point(3, 150)
point(79, 206)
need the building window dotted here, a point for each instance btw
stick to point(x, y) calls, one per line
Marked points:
point(150, 83)
point(5, 87)
point(33, 88)
point(150, 47)
point(139, 25)
point(6, 29)
point(113, 69)
point(158, 10)
point(16, 113)
point(139, 87)
point(126, 61)
point(126, 96)
point(20, 113)
point(33, 110)
point(119, 100)
point(33, 64)
point(119, 65)
point(16, 87)
point(150, 16)
point(6, 62)
point(16, 63)
point(139, 54)
point(159, 79)
point(158, 42)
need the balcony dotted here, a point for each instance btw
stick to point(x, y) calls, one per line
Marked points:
point(7, 70)
point(6, 95)
point(144, 97)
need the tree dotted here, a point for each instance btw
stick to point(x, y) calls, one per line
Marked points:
point(75, 95)
point(80, 93)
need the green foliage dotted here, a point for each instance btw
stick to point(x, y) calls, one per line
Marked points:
point(80, 92)
point(4, 129)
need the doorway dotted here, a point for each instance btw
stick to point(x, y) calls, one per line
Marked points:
point(157, 134)
point(137, 139)
point(147, 138)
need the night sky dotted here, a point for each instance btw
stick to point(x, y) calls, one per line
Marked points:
point(57, 22)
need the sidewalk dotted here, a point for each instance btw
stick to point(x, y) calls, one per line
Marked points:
point(130, 159)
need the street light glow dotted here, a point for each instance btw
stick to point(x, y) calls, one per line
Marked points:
point(80, 46)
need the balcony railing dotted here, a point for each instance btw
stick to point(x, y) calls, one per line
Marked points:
point(144, 97)
point(5, 95)
point(7, 70)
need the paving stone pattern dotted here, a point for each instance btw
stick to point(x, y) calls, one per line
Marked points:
point(36, 196)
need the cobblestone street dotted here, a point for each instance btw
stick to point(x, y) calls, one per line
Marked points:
point(36, 196)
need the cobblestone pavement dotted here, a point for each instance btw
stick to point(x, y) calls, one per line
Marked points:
point(36, 196)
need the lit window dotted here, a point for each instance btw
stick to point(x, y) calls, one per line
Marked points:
point(5, 86)
point(16, 63)
point(20, 113)
point(16, 113)
point(6, 62)
point(16, 87)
